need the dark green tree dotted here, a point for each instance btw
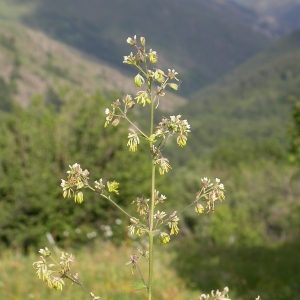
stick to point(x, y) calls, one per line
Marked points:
point(294, 131)
point(37, 144)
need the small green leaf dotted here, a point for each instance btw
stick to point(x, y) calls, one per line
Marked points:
point(139, 285)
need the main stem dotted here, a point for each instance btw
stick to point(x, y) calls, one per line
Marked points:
point(151, 216)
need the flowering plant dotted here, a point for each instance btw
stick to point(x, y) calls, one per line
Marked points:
point(150, 220)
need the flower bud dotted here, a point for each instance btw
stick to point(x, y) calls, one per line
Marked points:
point(138, 80)
point(143, 40)
point(153, 56)
point(113, 187)
point(173, 86)
point(165, 238)
point(78, 197)
point(45, 252)
point(115, 122)
point(130, 105)
point(152, 138)
point(134, 221)
point(131, 41)
point(181, 140)
point(199, 208)
point(116, 104)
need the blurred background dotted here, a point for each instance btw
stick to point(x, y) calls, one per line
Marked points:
point(239, 65)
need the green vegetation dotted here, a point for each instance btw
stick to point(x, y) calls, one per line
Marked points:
point(37, 145)
point(295, 132)
point(251, 102)
point(103, 269)
point(252, 240)
point(241, 131)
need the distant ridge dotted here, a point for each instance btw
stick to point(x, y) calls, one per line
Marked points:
point(252, 100)
point(201, 39)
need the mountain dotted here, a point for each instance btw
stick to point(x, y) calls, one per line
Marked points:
point(251, 102)
point(201, 39)
point(274, 17)
point(32, 63)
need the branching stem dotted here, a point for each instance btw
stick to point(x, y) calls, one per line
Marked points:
point(112, 201)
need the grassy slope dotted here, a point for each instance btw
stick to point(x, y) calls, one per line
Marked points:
point(205, 39)
point(102, 271)
point(251, 101)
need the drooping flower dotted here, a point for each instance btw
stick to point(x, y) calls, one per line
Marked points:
point(142, 97)
point(153, 56)
point(133, 141)
point(139, 80)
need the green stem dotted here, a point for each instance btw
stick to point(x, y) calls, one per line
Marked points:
point(151, 216)
point(142, 277)
point(128, 120)
point(151, 233)
point(112, 201)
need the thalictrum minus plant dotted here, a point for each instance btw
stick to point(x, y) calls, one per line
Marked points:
point(150, 220)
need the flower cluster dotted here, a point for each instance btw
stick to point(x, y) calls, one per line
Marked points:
point(99, 185)
point(148, 74)
point(211, 192)
point(137, 227)
point(128, 103)
point(174, 125)
point(77, 179)
point(109, 116)
point(44, 270)
point(134, 259)
point(217, 295)
point(142, 206)
point(164, 165)
point(159, 198)
point(142, 97)
point(112, 187)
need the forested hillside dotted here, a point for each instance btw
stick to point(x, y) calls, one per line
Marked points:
point(252, 102)
point(31, 63)
point(242, 130)
point(206, 38)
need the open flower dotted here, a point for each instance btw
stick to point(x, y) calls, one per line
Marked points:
point(159, 215)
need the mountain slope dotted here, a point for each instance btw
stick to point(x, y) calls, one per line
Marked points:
point(252, 101)
point(31, 63)
point(275, 16)
point(201, 39)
